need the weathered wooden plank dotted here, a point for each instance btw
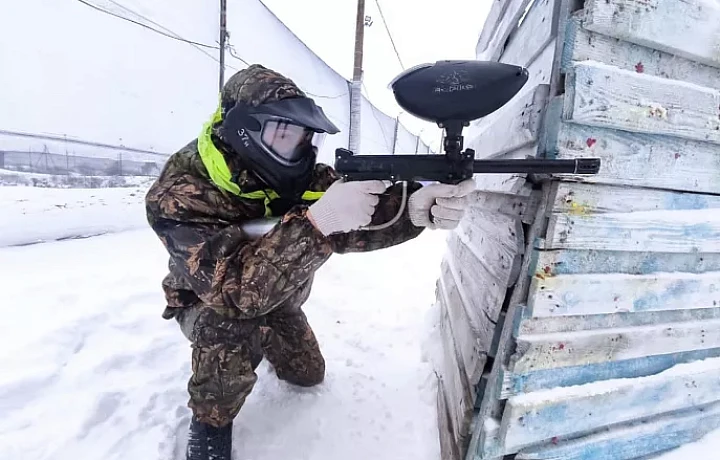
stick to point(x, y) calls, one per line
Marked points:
point(457, 391)
point(631, 441)
point(509, 22)
point(522, 207)
point(446, 431)
point(601, 95)
point(588, 294)
point(568, 262)
point(497, 11)
point(471, 336)
point(545, 379)
point(493, 238)
point(688, 28)
point(558, 324)
point(507, 183)
point(579, 348)
point(536, 417)
point(535, 32)
point(582, 199)
point(584, 45)
point(491, 406)
point(540, 70)
point(519, 122)
point(640, 160)
point(659, 231)
point(539, 74)
point(481, 295)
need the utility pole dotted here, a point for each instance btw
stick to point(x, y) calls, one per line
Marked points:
point(223, 36)
point(356, 85)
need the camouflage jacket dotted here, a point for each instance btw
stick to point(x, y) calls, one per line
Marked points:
point(213, 262)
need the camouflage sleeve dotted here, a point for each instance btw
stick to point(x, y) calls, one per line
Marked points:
point(223, 267)
point(388, 207)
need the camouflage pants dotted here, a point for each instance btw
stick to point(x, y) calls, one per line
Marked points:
point(226, 351)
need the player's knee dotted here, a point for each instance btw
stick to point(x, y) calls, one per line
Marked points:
point(310, 374)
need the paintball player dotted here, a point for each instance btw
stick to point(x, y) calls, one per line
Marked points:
point(238, 298)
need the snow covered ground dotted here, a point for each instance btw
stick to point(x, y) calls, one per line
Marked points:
point(90, 370)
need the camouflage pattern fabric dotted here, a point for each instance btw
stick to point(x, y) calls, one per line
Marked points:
point(239, 298)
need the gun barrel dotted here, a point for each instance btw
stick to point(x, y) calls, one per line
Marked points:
point(537, 166)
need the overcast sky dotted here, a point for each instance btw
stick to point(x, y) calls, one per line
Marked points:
point(423, 31)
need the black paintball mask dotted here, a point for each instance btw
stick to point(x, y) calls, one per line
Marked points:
point(278, 141)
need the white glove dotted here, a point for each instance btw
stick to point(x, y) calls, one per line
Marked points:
point(346, 206)
point(440, 206)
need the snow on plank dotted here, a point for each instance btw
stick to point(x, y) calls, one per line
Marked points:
point(546, 351)
point(655, 231)
point(541, 416)
point(632, 440)
point(587, 294)
point(599, 94)
point(514, 384)
point(583, 198)
point(638, 160)
point(583, 45)
point(688, 28)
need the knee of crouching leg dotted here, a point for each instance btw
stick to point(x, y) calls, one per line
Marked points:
point(313, 375)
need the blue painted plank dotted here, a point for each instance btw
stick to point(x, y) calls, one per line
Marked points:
point(575, 261)
point(637, 159)
point(515, 384)
point(679, 231)
point(530, 419)
point(582, 44)
point(634, 440)
point(555, 324)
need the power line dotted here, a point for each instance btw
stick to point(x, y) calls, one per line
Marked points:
point(174, 37)
point(325, 97)
point(170, 33)
point(389, 34)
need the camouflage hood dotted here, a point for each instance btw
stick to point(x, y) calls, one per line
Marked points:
point(257, 85)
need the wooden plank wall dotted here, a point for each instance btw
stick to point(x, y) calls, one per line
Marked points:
point(613, 351)
point(484, 255)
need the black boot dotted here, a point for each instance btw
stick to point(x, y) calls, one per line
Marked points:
point(209, 443)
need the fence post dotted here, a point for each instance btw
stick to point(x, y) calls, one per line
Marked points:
point(397, 123)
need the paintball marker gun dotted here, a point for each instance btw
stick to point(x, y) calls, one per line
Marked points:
point(452, 94)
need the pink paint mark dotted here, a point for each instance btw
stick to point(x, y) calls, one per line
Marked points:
point(590, 142)
point(561, 346)
point(639, 67)
point(554, 440)
point(547, 269)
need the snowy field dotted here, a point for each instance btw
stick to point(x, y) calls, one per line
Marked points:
point(91, 371)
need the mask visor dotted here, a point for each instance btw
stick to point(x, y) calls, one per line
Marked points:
point(289, 141)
